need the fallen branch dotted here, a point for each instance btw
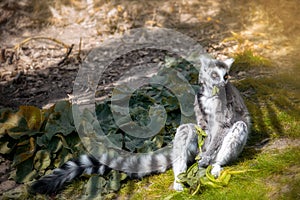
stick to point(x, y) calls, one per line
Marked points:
point(79, 51)
point(18, 46)
point(67, 55)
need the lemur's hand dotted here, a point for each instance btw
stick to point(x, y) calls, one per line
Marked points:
point(204, 161)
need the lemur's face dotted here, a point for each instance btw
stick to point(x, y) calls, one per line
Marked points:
point(214, 72)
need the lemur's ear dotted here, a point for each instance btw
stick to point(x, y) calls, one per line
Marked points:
point(205, 61)
point(229, 62)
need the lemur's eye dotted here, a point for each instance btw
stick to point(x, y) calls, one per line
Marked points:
point(214, 75)
point(226, 76)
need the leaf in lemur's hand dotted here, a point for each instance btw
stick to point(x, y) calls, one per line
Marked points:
point(196, 179)
point(215, 91)
point(201, 135)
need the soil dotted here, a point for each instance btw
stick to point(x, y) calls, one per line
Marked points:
point(42, 71)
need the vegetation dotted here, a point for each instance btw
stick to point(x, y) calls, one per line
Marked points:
point(46, 138)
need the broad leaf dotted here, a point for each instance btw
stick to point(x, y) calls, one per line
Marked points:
point(60, 121)
point(25, 171)
point(42, 160)
point(33, 116)
point(24, 151)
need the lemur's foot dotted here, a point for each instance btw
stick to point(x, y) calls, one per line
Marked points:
point(177, 186)
point(216, 170)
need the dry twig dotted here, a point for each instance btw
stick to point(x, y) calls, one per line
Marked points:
point(68, 47)
point(67, 55)
point(79, 50)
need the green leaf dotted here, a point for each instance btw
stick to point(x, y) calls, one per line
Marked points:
point(75, 143)
point(7, 144)
point(33, 116)
point(42, 141)
point(54, 146)
point(25, 171)
point(114, 182)
point(4, 149)
point(27, 121)
point(133, 143)
point(94, 188)
point(24, 151)
point(116, 139)
point(215, 91)
point(64, 142)
point(61, 120)
point(42, 160)
point(62, 157)
point(14, 125)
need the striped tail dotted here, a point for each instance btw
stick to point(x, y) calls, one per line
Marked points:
point(134, 166)
point(51, 183)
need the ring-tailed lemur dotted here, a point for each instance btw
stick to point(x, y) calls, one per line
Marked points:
point(220, 112)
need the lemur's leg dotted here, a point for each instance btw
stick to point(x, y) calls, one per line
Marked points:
point(231, 147)
point(185, 149)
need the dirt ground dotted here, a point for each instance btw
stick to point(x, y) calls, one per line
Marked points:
point(42, 70)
